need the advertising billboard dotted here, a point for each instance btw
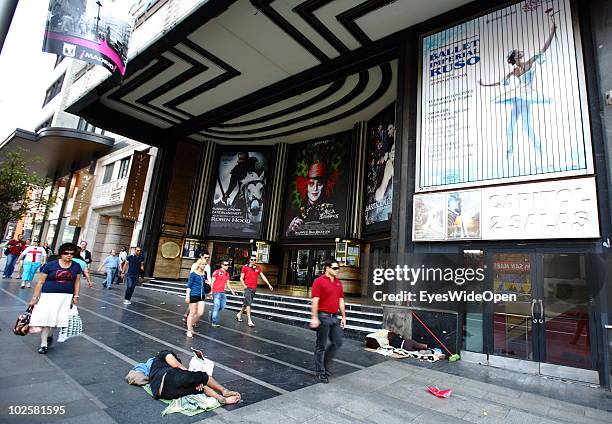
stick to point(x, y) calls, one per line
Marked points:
point(379, 168)
point(317, 189)
point(238, 203)
point(564, 209)
point(94, 31)
point(503, 99)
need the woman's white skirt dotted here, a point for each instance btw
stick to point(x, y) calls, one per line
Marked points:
point(51, 310)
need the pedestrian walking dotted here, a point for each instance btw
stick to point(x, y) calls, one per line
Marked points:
point(79, 260)
point(47, 248)
point(197, 288)
point(14, 247)
point(133, 266)
point(123, 254)
point(84, 253)
point(220, 282)
point(58, 286)
point(32, 258)
point(205, 259)
point(249, 274)
point(327, 299)
point(111, 263)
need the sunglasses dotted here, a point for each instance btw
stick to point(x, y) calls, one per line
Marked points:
point(335, 268)
point(68, 253)
point(206, 257)
point(253, 259)
point(225, 264)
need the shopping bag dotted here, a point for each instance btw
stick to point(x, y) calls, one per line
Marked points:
point(75, 325)
point(22, 325)
point(442, 394)
point(197, 364)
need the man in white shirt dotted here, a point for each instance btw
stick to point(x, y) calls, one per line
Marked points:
point(33, 257)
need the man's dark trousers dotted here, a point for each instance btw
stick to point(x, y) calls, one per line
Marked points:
point(329, 328)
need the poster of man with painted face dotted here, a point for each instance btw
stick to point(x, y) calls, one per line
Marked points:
point(317, 198)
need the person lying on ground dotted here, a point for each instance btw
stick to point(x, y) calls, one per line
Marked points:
point(169, 379)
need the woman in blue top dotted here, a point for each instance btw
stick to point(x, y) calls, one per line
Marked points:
point(197, 288)
point(58, 286)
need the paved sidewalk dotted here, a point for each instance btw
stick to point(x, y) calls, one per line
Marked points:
point(394, 392)
point(270, 364)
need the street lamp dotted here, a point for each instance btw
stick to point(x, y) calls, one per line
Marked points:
point(98, 18)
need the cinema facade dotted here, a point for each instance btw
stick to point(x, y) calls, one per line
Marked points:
point(428, 134)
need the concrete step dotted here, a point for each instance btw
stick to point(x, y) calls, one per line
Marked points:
point(361, 319)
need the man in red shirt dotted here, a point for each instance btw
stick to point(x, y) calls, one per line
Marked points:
point(248, 277)
point(15, 247)
point(327, 299)
point(220, 280)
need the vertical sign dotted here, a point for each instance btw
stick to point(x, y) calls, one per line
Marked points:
point(135, 186)
point(82, 200)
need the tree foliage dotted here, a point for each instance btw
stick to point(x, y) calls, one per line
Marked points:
point(17, 183)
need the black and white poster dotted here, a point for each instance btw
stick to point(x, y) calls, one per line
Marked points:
point(238, 203)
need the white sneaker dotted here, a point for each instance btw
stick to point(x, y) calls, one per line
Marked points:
point(29, 286)
point(127, 302)
point(22, 285)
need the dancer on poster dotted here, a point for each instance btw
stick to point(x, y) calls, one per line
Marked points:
point(524, 95)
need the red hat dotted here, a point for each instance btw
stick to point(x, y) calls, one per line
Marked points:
point(316, 170)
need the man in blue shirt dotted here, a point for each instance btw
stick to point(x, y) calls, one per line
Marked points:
point(132, 267)
point(112, 266)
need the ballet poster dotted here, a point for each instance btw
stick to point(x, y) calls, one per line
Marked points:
point(503, 99)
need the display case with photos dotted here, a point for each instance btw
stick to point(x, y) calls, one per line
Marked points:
point(348, 253)
point(262, 252)
point(192, 248)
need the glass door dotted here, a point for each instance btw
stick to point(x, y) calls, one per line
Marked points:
point(564, 318)
point(548, 329)
point(300, 264)
point(513, 273)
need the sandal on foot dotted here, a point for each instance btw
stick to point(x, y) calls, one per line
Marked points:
point(250, 324)
point(189, 334)
point(238, 318)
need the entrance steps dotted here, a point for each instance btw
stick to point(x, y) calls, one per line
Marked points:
point(361, 319)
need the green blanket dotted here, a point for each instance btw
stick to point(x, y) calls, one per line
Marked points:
point(189, 405)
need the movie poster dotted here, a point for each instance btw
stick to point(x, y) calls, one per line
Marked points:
point(379, 168)
point(429, 215)
point(503, 99)
point(93, 31)
point(238, 203)
point(463, 215)
point(317, 189)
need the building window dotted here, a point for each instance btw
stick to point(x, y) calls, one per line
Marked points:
point(83, 125)
point(108, 173)
point(55, 88)
point(45, 124)
point(124, 167)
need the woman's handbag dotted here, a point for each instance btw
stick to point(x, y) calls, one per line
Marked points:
point(75, 325)
point(22, 325)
